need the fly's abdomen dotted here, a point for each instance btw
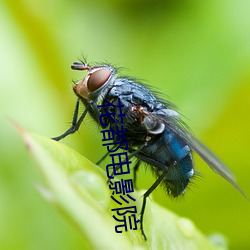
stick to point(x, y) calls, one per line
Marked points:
point(171, 155)
point(180, 166)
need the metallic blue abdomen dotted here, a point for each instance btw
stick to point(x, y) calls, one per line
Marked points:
point(170, 154)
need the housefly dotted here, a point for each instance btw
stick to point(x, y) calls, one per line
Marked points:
point(156, 135)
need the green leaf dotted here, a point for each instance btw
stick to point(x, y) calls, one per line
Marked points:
point(78, 189)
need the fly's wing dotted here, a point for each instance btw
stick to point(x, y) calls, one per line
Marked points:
point(175, 124)
point(212, 160)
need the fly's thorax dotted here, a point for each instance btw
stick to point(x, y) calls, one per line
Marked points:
point(94, 85)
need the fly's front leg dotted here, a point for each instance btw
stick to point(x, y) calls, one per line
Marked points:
point(96, 113)
point(75, 123)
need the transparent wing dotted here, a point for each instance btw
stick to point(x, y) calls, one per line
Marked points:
point(208, 156)
point(175, 124)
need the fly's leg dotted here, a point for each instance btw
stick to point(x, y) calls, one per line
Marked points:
point(75, 123)
point(129, 157)
point(102, 159)
point(136, 167)
point(149, 191)
point(145, 196)
point(96, 113)
point(112, 174)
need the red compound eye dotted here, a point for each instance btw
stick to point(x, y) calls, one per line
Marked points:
point(97, 79)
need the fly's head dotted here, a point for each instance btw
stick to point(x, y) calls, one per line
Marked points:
point(96, 79)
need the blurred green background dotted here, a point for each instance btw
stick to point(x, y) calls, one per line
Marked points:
point(196, 52)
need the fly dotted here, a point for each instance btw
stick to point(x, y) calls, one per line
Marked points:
point(156, 135)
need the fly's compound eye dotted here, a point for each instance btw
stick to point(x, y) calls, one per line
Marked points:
point(97, 79)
